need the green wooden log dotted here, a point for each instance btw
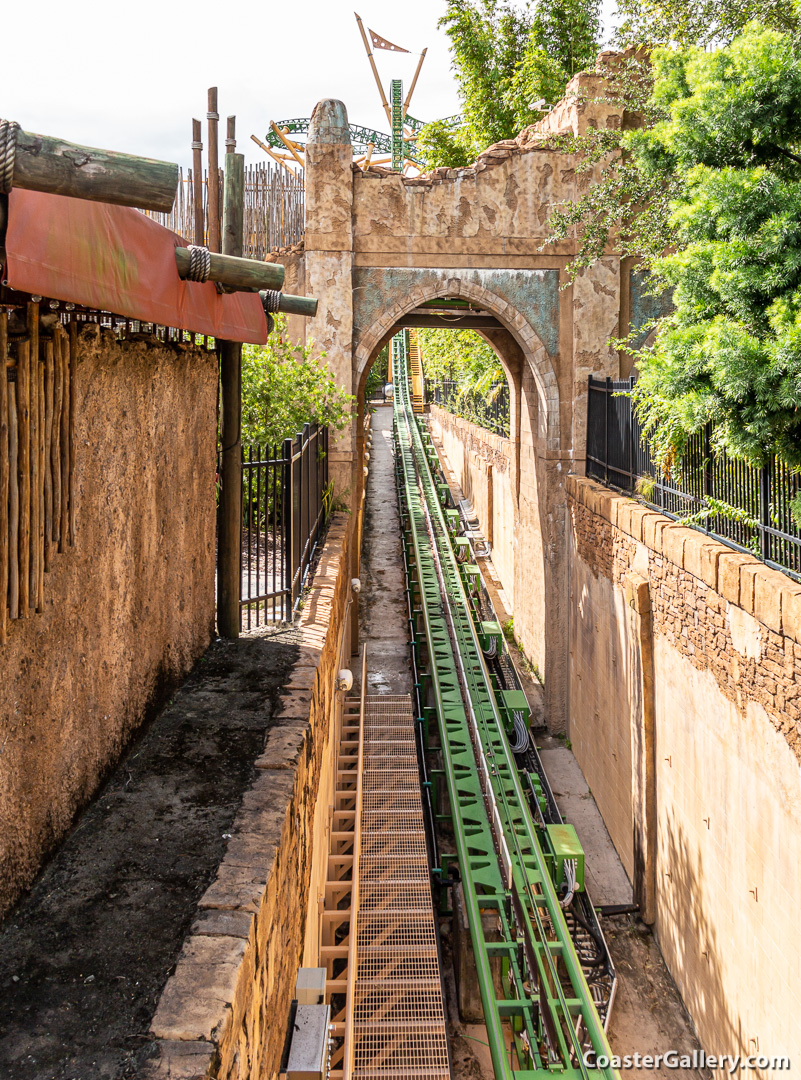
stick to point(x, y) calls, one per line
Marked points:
point(243, 274)
point(44, 163)
point(296, 305)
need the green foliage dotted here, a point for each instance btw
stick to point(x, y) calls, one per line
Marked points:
point(285, 386)
point(730, 353)
point(460, 355)
point(379, 374)
point(505, 60)
point(689, 23)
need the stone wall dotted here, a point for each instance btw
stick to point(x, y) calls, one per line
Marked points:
point(685, 716)
point(224, 1012)
point(122, 623)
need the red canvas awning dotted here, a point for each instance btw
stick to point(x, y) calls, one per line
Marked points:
point(112, 258)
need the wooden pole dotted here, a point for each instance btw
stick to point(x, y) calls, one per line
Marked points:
point(296, 305)
point(55, 432)
point(269, 153)
point(229, 547)
point(13, 502)
point(49, 391)
point(213, 118)
point(370, 57)
point(289, 145)
point(33, 334)
point(230, 137)
point(199, 232)
point(408, 100)
point(73, 362)
point(4, 467)
point(44, 163)
point(24, 470)
point(63, 532)
point(239, 273)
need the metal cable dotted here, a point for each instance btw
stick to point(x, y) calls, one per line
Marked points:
point(8, 154)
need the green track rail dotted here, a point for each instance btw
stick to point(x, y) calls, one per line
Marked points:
point(538, 1009)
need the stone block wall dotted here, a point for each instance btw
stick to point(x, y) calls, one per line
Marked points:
point(122, 622)
point(685, 715)
point(224, 1012)
point(482, 463)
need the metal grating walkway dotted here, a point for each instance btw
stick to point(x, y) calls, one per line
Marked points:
point(398, 1020)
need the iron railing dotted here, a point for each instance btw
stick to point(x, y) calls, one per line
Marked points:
point(283, 514)
point(490, 411)
point(746, 507)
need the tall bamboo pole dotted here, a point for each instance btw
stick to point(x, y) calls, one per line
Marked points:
point(408, 100)
point(4, 467)
point(370, 57)
point(229, 559)
point(213, 118)
point(63, 533)
point(55, 433)
point(199, 232)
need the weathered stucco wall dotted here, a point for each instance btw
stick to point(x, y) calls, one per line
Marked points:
point(224, 1012)
point(129, 608)
point(685, 659)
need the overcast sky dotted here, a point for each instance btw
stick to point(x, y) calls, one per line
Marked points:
point(131, 77)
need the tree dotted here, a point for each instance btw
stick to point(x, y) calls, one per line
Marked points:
point(285, 386)
point(689, 23)
point(730, 353)
point(505, 61)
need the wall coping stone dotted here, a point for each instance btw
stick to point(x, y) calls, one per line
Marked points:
point(770, 596)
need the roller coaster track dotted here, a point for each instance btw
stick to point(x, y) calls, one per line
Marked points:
point(540, 1013)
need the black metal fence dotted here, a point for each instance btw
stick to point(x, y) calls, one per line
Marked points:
point(745, 507)
point(284, 508)
point(490, 411)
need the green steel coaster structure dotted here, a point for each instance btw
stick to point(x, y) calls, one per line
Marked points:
point(539, 1011)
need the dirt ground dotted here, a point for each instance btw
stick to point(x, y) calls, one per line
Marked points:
point(84, 957)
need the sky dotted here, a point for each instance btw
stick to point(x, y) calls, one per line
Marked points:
point(132, 77)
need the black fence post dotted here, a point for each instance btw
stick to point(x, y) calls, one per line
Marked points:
point(764, 511)
point(606, 428)
point(289, 526)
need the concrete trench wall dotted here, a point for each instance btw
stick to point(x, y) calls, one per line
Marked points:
point(224, 1011)
point(122, 623)
point(685, 716)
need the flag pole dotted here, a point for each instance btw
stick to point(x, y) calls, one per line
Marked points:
point(414, 82)
point(384, 101)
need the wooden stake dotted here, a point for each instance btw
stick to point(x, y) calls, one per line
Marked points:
point(370, 57)
point(214, 176)
point(63, 532)
point(13, 503)
point(289, 145)
point(199, 233)
point(24, 470)
point(33, 333)
point(43, 163)
point(55, 450)
point(229, 545)
point(230, 139)
point(4, 465)
point(73, 364)
point(48, 465)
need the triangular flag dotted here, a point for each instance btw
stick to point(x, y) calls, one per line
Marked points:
point(382, 43)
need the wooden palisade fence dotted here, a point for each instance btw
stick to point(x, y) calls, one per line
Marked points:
point(274, 208)
point(37, 422)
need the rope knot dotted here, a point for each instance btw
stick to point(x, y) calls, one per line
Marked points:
point(199, 263)
point(8, 153)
